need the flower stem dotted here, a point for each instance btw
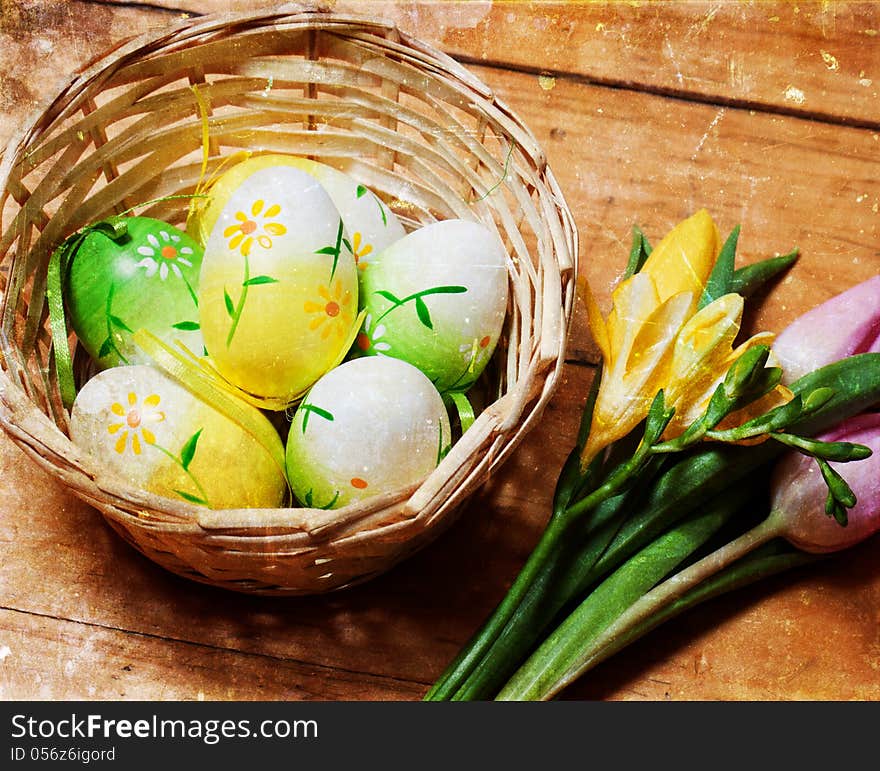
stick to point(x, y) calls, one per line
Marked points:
point(626, 600)
point(773, 557)
point(539, 568)
point(555, 588)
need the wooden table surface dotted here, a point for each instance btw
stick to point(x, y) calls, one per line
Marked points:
point(765, 113)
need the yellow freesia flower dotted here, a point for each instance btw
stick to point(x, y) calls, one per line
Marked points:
point(655, 338)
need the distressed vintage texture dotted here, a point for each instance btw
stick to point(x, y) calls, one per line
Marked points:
point(766, 113)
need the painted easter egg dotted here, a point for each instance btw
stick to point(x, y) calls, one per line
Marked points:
point(437, 299)
point(370, 426)
point(138, 422)
point(278, 288)
point(371, 225)
point(131, 273)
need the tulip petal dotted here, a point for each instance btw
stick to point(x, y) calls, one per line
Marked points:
point(683, 260)
point(847, 324)
point(798, 491)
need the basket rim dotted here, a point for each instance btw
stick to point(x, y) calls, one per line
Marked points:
point(315, 522)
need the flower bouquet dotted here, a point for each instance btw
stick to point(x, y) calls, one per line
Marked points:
point(685, 436)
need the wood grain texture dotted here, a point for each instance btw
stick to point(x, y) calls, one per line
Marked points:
point(646, 112)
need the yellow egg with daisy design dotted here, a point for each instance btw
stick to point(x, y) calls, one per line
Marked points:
point(371, 225)
point(143, 426)
point(278, 287)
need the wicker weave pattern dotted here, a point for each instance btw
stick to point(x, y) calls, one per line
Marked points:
point(404, 119)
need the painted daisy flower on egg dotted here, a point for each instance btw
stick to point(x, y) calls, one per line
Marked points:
point(360, 249)
point(333, 311)
point(134, 419)
point(258, 225)
point(369, 340)
point(163, 255)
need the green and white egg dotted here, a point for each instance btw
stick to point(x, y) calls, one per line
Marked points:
point(131, 273)
point(437, 299)
point(141, 424)
point(278, 289)
point(370, 426)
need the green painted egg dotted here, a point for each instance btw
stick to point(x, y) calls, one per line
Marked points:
point(278, 288)
point(141, 274)
point(437, 299)
point(370, 426)
point(157, 435)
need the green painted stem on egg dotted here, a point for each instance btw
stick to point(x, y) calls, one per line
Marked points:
point(191, 291)
point(113, 320)
point(185, 469)
point(239, 308)
point(416, 297)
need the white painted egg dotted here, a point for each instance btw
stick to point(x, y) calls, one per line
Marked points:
point(437, 299)
point(370, 426)
point(155, 434)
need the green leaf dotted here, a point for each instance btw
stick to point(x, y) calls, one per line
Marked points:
point(230, 306)
point(639, 252)
point(443, 290)
point(321, 413)
point(388, 296)
point(191, 498)
point(308, 409)
point(721, 277)
point(106, 347)
point(331, 503)
point(115, 228)
point(750, 278)
point(361, 191)
point(326, 250)
point(118, 322)
point(423, 313)
point(257, 280)
point(658, 418)
point(186, 326)
point(189, 449)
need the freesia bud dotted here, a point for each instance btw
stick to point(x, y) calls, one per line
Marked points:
point(847, 324)
point(799, 491)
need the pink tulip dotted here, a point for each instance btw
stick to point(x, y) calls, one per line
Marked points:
point(847, 324)
point(798, 491)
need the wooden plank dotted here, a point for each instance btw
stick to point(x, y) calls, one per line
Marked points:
point(49, 659)
point(811, 58)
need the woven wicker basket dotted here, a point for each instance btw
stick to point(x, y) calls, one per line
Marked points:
point(358, 94)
